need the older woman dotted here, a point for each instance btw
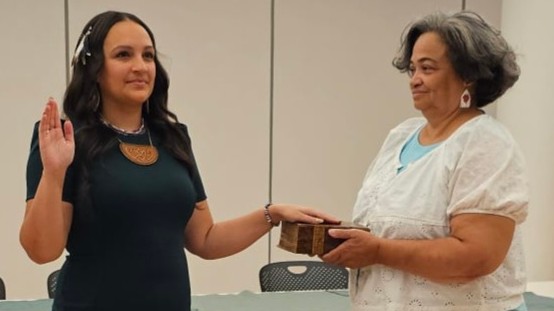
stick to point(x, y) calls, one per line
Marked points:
point(446, 194)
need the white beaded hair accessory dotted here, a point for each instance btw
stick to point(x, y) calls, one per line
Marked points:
point(83, 45)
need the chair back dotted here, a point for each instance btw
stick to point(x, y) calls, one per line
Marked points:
point(51, 283)
point(2, 290)
point(302, 276)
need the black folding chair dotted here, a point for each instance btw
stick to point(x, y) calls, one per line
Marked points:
point(51, 283)
point(2, 290)
point(302, 276)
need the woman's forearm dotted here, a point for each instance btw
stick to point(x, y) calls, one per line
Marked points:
point(232, 236)
point(215, 240)
point(441, 260)
point(477, 245)
point(44, 230)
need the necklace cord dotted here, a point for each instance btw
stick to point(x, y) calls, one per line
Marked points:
point(121, 131)
point(143, 155)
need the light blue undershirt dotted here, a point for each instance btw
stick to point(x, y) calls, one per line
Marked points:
point(411, 152)
point(522, 307)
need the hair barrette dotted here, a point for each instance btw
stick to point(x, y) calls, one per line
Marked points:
point(83, 45)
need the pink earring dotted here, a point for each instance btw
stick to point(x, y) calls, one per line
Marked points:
point(465, 100)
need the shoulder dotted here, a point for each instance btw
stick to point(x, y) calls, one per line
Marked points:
point(183, 129)
point(181, 126)
point(409, 125)
point(484, 140)
point(489, 124)
point(183, 134)
point(399, 134)
point(405, 129)
point(485, 129)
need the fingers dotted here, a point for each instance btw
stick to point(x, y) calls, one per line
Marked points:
point(296, 213)
point(341, 233)
point(43, 125)
point(332, 257)
point(57, 123)
point(327, 217)
point(53, 117)
point(50, 117)
point(68, 131)
point(310, 219)
point(315, 216)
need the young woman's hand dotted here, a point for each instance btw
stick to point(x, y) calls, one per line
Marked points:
point(57, 144)
point(297, 213)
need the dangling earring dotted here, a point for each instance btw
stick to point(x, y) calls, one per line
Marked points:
point(465, 99)
point(96, 97)
point(147, 104)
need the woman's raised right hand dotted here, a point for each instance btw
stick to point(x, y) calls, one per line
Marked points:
point(57, 145)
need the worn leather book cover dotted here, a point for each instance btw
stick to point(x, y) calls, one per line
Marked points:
point(302, 238)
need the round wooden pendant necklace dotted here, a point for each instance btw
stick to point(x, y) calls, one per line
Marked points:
point(139, 154)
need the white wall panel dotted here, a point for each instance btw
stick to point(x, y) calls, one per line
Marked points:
point(337, 96)
point(33, 69)
point(527, 110)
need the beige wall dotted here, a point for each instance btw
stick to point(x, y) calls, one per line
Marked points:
point(32, 34)
point(335, 97)
point(527, 110)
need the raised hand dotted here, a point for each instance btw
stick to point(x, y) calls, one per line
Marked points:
point(57, 145)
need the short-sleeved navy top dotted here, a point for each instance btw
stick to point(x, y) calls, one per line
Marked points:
point(130, 255)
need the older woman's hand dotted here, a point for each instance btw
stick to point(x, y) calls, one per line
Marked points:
point(359, 249)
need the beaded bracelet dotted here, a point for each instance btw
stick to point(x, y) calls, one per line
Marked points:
point(268, 216)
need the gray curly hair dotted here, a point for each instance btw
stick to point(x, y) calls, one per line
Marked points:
point(477, 51)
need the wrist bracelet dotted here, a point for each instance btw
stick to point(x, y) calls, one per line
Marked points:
point(268, 216)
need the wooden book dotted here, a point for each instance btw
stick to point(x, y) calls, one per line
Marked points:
point(302, 238)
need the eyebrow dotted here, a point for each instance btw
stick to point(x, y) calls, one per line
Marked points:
point(128, 47)
point(424, 59)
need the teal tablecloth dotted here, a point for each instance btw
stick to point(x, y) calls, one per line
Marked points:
point(282, 301)
point(244, 301)
point(249, 301)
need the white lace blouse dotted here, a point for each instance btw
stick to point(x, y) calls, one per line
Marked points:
point(478, 169)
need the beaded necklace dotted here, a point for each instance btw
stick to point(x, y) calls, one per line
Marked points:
point(139, 154)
